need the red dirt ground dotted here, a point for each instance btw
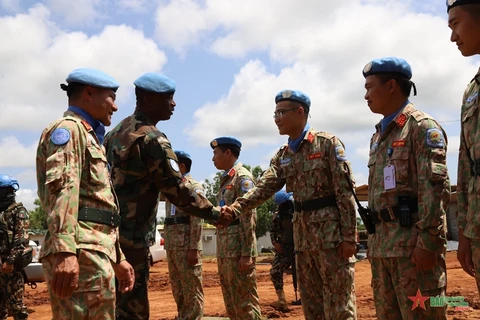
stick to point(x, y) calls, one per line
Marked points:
point(162, 305)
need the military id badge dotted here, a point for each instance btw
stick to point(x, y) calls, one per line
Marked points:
point(172, 210)
point(389, 177)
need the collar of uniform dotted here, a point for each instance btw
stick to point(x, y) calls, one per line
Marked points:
point(310, 135)
point(402, 116)
point(232, 171)
point(82, 119)
point(140, 116)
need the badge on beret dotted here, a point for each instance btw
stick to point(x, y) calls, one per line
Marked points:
point(174, 165)
point(214, 143)
point(340, 153)
point(247, 184)
point(435, 138)
point(286, 94)
point(367, 67)
point(60, 136)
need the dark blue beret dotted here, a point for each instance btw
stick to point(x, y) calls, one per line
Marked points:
point(282, 196)
point(454, 3)
point(388, 65)
point(92, 77)
point(155, 82)
point(225, 140)
point(293, 95)
point(183, 154)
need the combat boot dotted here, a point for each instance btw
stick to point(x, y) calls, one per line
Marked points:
point(281, 304)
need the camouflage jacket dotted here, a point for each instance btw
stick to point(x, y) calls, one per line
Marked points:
point(414, 144)
point(318, 169)
point(237, 239)
point(14, 227)
point(281, 230)
point(71, 176)
point(468, 185)
point(184, 236)
point(143, 164)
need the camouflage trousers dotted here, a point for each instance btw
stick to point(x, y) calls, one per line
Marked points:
point(326, 285)
point(475, 246)
point(396, 281)
point(94, 299)
point(11, 295)
point(239, 290)
point(134, 305)
point(281, 262)
point(186, 282)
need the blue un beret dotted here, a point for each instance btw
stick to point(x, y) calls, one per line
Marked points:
point(182, 154)
point(155, 82)
point(92, 77)
point(8, 181)
point(225, 140)
point(454, 3)
point(388, 65)
point(282, 196)
point(293, 95)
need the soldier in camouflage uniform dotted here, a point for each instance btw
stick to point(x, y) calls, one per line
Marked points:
point(81, 255)
point(314, 167)
point(281, 235)
point(143, 164)
point(13, 241)
point(183, 242)
point(237, 243)
point(409, 192)
point(464, 20)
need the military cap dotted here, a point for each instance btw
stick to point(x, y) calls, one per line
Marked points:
point(155, 82)
point(182, 154)
point(92, 77)
point(225, 140)
point(282, 196)
point(293, 95)
point(8, 181)
point(454, 3)
point(388, 65)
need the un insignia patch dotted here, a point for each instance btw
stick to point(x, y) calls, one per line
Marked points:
point(471, 98)
point(340, 153)
point(374, 147)
point(174, 165)
point(60, 136)
point(247, 184)
point(435, 138)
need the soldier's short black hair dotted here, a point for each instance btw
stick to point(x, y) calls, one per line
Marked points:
point(472, 9)
point(233, 148)
point(404, 83)
point(73, 89)
point(187, 162)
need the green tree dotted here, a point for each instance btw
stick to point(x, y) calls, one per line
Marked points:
point(360, 225)
point(38, 217)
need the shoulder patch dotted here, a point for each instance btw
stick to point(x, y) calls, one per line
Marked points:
point(374, 147)
point(472, 97)
point(435, 138)
point(340, 153)
point(173, 165)
point(60, 136)
point(199, 191)
point(247, 184)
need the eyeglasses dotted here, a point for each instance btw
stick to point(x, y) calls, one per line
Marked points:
point(279, 113)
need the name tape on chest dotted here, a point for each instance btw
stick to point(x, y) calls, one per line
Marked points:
point(314, 156)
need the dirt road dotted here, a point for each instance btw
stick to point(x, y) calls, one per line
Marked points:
point(162, 305)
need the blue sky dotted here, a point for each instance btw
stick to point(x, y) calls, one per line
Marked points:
point(229, 59)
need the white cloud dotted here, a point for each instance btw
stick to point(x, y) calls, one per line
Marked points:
point(10, 5)
point(34, 65)
point(134, 5)
point(78, 12)
point(26, 197)
point(16, 155)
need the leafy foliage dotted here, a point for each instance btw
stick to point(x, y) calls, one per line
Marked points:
point(38, 217)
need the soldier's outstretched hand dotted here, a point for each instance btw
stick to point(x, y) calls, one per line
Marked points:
point(347, 249)
point(65, 274)
point(226, 217)
point(125, 275)
point(464, 254)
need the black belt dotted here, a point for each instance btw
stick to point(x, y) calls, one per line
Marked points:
point(99, 216)
point(391, 213)
point(315, 204)
point(177, 220)
point(476, 167)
